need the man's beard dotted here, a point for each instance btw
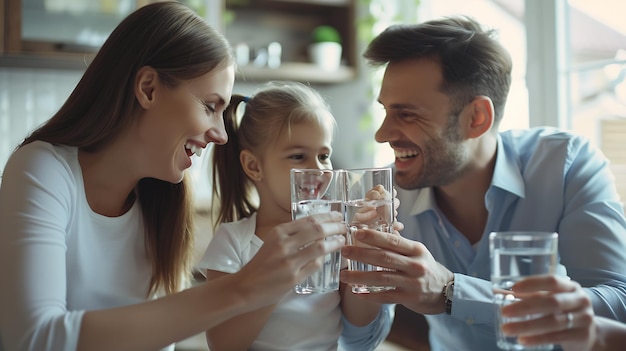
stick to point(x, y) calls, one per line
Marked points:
point(443, 160)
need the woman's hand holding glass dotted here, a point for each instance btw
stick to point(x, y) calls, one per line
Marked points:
point(567, 313)
point(291, 252)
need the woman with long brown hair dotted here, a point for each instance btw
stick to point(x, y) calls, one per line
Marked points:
point(95, 207)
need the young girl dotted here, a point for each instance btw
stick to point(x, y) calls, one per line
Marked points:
point(95, 210)
point(284, 126)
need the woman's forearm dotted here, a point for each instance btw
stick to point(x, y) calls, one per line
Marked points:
point(155, 324)
point(356, 310)
point(239, 332)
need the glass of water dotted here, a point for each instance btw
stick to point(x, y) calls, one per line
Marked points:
point(516, 255)
point(369, 204)
point(318, 191)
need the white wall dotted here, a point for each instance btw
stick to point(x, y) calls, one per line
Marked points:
point(27, 98)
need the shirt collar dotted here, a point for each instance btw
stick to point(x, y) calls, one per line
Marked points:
point(424, 200)
point(506, 174)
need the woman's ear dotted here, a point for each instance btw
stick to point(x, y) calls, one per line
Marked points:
point(145, 84)
point(251, 165)
point(480, 116)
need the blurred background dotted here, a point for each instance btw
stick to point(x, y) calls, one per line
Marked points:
point(569, 61)
point(569, 67)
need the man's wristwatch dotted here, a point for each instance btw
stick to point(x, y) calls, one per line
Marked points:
point(448, 290)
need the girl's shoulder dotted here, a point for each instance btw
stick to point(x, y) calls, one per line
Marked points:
point(243, 230)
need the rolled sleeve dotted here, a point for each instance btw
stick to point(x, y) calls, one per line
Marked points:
point(367, 337)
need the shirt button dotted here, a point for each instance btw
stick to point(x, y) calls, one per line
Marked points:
point(469, 321)
point(457, 243)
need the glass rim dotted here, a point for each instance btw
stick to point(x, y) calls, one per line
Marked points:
point(317, 169)
point(367, 169)
point(530, 234)
point(311, 170)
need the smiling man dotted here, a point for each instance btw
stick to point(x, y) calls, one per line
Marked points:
point(444, 90)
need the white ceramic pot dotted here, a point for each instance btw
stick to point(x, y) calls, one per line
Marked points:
point(326, 55)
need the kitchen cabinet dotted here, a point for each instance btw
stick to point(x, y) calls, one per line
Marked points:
point(63, 34)
point(57, 33)
point(257, 23)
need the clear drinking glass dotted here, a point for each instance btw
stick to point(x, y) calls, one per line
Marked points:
point(369, 204)
point(318, 191)
point(516, 255)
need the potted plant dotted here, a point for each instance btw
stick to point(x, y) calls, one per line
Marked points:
point(325, 48)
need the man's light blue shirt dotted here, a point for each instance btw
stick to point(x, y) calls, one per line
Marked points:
point(368, 337)
point(544, 180)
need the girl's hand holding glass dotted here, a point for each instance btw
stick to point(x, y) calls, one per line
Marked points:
point(369, 215)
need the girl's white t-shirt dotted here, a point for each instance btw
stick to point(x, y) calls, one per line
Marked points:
point(299, 322)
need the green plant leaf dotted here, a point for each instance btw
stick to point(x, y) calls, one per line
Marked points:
point(325, 33)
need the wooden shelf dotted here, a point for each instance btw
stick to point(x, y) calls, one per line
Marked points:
point(256, 23)
point(69, 61)
point(305, 72)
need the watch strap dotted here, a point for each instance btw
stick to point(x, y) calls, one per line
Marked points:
point(448, 290)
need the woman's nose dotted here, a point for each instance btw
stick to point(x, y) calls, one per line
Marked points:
point(217, 133)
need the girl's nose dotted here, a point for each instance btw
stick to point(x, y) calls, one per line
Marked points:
point(313, 164)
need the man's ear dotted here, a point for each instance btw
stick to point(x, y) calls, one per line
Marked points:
point(480, 116)
point(145, 84)
point(251, 165)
